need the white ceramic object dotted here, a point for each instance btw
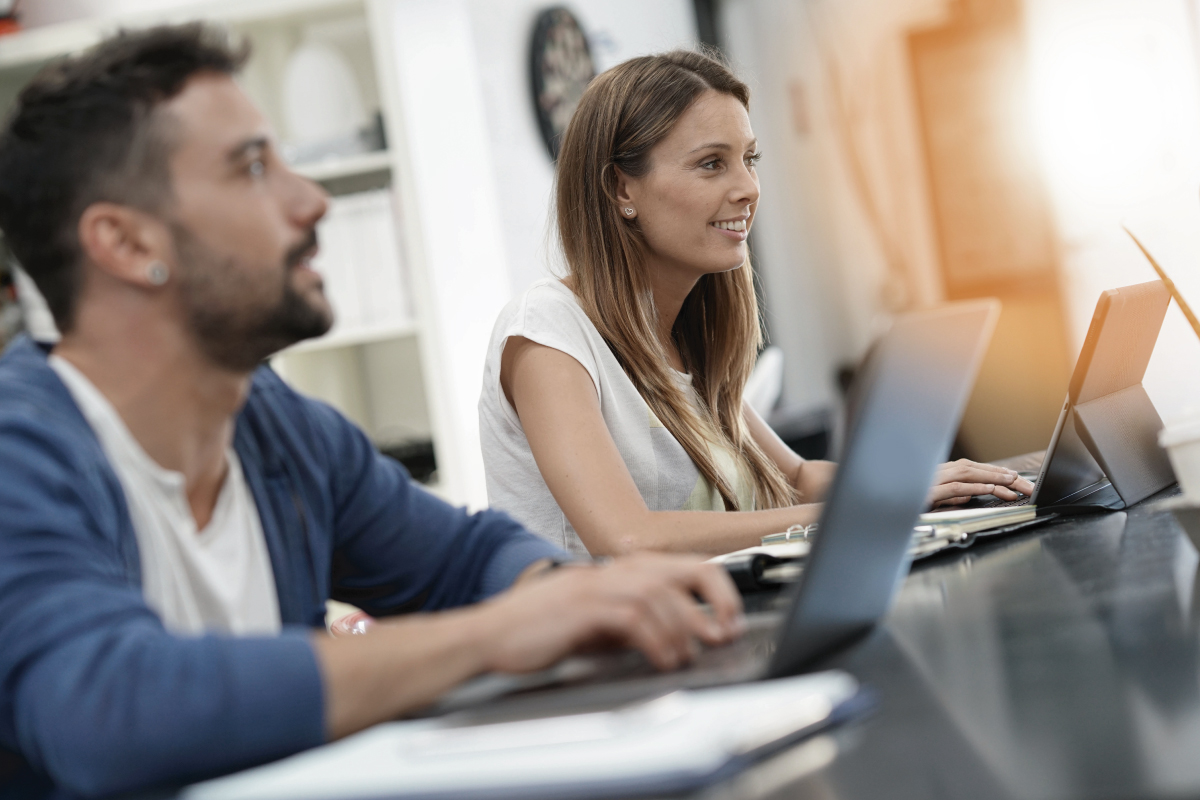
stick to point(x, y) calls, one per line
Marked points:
point(322, 101)
point(1182, 442)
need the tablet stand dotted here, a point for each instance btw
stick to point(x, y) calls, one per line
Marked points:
point(1120, 430)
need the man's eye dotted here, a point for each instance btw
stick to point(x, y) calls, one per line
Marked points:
point(257, 168)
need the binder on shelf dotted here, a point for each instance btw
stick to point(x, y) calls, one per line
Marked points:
point(360, 261)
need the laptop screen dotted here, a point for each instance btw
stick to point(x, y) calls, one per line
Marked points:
point(904, 411)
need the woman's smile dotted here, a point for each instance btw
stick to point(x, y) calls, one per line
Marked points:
point(735, 229)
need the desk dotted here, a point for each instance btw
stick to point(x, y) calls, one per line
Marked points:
point(1063, 662)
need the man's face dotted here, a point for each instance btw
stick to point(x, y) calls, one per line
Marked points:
point(244, 228)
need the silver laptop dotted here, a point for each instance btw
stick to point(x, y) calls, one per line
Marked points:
point(903, 414)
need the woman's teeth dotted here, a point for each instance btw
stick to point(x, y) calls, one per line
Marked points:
point(737, 225)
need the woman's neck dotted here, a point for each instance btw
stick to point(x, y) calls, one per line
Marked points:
point(670, 288)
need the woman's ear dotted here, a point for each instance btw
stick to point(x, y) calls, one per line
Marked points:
point(626, 201)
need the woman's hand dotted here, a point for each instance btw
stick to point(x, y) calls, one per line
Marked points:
point(958, 481)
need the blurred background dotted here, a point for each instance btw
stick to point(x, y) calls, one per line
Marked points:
point(915, 152)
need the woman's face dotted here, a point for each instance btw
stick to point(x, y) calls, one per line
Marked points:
point(697, 201)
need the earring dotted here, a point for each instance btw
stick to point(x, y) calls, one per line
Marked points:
point(157, 273)
point(629, 212)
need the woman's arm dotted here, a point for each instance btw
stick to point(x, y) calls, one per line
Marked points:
point(956, 482)
point(560, 413)
point(811, 478)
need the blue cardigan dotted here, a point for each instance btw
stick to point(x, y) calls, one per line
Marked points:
point(95, 695)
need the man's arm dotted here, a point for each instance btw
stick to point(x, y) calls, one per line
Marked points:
point(645, 602)
point(396, 547)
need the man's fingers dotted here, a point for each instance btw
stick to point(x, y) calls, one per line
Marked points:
point(1022, 485)
point(629, 626)
point(664, 604)
point(643, 630)
point(714, 586)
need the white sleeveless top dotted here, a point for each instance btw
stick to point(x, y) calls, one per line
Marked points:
point(549, 314)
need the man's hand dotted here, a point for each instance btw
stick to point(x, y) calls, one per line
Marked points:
point(958, 481)
point(646, 601)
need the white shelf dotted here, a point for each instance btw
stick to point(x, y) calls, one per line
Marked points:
point(353, 337)
point(346, 166)
point(36, 45)
point(42, 44)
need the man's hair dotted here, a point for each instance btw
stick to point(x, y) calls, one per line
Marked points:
point(84, 131)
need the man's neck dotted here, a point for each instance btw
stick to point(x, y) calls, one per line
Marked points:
point(177, 404)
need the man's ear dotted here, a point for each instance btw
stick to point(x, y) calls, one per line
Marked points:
point(123, 242)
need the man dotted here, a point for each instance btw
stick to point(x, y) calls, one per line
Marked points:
point(173, 517)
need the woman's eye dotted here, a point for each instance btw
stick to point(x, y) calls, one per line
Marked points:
point(712, 163)
point(753, 159)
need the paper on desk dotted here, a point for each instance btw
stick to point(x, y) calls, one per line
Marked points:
point(669, 744)
point(971, 514)
point(783, 550)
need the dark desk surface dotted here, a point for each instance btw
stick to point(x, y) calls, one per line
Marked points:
point(1059, 663)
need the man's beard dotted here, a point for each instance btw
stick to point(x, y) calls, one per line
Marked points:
point(237, 321)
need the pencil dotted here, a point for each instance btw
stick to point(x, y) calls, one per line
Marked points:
point(1170, 284)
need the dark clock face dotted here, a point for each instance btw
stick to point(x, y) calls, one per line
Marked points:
point(561, 68)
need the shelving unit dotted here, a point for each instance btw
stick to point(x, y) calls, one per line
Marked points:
point(347, 166)
point(415, 376)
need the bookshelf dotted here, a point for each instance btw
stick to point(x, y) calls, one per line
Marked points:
point(410, 373)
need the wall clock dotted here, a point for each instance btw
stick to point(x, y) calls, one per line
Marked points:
point(561, 67)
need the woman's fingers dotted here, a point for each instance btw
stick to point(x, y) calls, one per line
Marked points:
point(964, 476)
point(945, 491)
point(1022, 485)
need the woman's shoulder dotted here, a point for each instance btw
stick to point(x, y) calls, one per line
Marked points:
point(547, 305)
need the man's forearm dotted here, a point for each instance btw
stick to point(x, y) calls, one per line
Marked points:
point(400, 667)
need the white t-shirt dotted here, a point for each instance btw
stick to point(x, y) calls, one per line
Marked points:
point(216, 580)
point(662, 470)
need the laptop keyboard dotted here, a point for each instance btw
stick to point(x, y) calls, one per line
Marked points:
point(1020, 501)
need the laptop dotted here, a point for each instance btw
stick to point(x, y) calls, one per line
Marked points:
point(904, 411)
point(1104, 453)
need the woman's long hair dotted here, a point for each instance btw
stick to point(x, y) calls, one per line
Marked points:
point(623, 114)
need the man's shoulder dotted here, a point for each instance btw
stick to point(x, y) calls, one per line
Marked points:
point(281, 417)
point(30, 390)
point(44, 439)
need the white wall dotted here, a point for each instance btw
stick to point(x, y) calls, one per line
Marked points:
point(617, 30)
point(824, 266)
point(1118, 108)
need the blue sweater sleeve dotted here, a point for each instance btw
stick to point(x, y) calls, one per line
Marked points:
point(94, 691)
point(398, 548)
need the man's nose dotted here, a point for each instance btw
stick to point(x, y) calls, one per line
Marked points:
point(308, 202)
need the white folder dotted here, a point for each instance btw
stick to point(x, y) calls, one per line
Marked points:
point(672, 743)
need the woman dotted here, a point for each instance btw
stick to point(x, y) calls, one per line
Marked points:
point(612, 416)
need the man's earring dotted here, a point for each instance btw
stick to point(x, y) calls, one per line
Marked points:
point(629, 212)
point(157, 273)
